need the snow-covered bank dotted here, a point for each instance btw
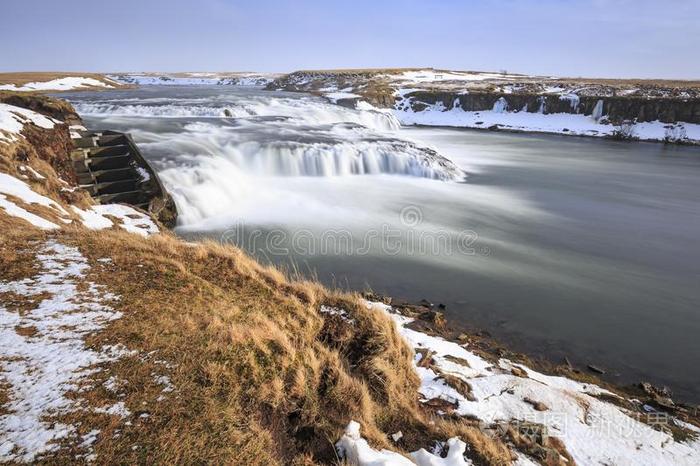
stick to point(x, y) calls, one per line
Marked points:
point(11, 186)
point(59, 84)
point(626, 109)
point(100, 217)
point(19, 199)
point(13, 119)
point(593, 430)
point(44, 355)
point(96, 218)
point(556, 123)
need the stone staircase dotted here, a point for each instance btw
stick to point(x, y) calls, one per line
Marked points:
point(109, 165)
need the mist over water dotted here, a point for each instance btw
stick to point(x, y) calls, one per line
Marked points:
point(561, 246)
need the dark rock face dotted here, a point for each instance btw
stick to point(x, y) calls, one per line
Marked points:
point(617, 109)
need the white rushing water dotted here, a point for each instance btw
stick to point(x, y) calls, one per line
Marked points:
point(228, 149)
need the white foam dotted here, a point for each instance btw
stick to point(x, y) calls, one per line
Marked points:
point(225, 166)
point(196, 79)
point(310, 111)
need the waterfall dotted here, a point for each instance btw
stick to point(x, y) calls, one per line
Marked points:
point(215, 154)
point(597, 110)
point(501, 105)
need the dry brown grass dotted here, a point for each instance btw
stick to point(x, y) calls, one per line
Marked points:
point(261, 376)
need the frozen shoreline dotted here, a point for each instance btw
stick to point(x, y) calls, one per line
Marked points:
point(565, 124)
point(582, 416)
point(554, 123)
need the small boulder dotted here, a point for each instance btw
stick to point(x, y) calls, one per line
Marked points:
point(538, 405)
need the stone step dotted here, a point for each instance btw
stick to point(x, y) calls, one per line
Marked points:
point(105, 164)
point(128, 197)
point(112, 187)
point(108, 163)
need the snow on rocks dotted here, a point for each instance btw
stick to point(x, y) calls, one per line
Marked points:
point(335, 96)
point(98, 218)
point(432, 76)
point(60, 84)
point(13, 119)
point(43, 355)
point(357, 452)
point(594, 431)
point(75, 131)
point(558, 123)
point(9, 185)
point(347, 85)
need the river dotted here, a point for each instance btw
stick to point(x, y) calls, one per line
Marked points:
point(558, 246)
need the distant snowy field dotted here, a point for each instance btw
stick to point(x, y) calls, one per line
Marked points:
point(195, 79)
point(61, 84)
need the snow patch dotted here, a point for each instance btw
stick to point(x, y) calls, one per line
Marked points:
point(13, 119)
point(130, 219)
point(42, 366)
point(143, 174)
point(61, 84)
point(36, 174)
point(431, 76)
point(10, 185)
point(594, 431)
point(357, 452)
point(343, 94)
point(335, 311)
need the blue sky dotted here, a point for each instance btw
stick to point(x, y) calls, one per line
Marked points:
point(598, 38)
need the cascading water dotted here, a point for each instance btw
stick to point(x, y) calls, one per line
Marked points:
point(214, 152)
point(302, 110)
point(597, 110)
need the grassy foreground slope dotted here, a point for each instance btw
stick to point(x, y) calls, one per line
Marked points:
point(259, 375)
point(205, 356)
